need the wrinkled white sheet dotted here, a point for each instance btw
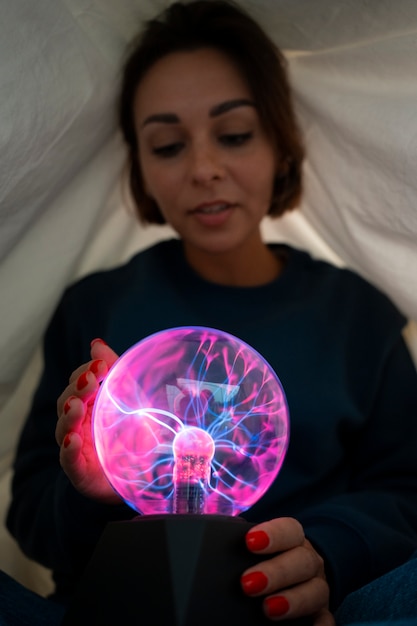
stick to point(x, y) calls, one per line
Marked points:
point(62, 209)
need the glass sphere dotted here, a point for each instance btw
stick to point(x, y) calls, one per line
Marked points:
point(191, 420)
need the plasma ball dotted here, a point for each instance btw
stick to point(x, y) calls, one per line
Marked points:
point(191, 420)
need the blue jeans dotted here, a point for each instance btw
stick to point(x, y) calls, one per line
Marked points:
point(21, 607)
point(389, 600)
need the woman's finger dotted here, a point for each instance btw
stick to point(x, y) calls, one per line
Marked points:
point(70, 454)
point(76, 373)
point(274, 536)
point(84, 386)
point(98, 367)
point(100, 350)
point(71, 419)
point(308, 598)
point(284, 570)
point(324, 618)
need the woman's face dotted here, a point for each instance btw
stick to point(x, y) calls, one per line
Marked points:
point(204, 155)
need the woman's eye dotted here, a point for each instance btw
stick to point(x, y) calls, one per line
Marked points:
point(234, 140)
point(167, 150)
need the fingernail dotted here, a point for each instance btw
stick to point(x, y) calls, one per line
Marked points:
point(254, 582)
point(276, 606)
point(82, 381)
point(67, 440)
point(67, 405)
point(257, 540)
point(97, 340)
point(95, 366)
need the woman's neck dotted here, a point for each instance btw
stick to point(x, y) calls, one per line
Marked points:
point(250, 266)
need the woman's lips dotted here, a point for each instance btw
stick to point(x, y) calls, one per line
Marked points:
point(213, 213)
point(212, 207)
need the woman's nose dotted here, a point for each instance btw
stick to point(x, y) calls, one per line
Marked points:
point(206, 165)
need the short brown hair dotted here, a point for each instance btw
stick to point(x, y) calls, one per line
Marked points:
point(219, 24)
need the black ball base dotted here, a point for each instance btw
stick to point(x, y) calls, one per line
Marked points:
point(168, 570)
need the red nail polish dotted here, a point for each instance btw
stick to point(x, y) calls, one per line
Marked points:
point(257, 540)
point(82, 381)
point(95, 366)
point(67, 405)
point(67, 440)
point(276, 606)
point(254, 582)
point(98, 340)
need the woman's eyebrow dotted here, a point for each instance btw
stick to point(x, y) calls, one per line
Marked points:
point(161, 118)
point(228, 105)
point(216, 110)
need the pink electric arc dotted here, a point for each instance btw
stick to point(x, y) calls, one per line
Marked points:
point(191, 420)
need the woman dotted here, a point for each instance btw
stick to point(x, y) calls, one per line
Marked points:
point(213, 147)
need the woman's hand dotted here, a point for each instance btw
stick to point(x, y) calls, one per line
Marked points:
point(293, 578)
point(78, 457)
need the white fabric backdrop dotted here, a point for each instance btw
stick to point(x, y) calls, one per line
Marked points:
point(353, 67)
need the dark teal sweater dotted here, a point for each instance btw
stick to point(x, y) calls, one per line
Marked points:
point(350, 475)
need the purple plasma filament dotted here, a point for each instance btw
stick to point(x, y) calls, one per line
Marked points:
point(191, 419)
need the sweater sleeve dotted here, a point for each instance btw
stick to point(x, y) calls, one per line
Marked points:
point(372, 527)
point(51, 521)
